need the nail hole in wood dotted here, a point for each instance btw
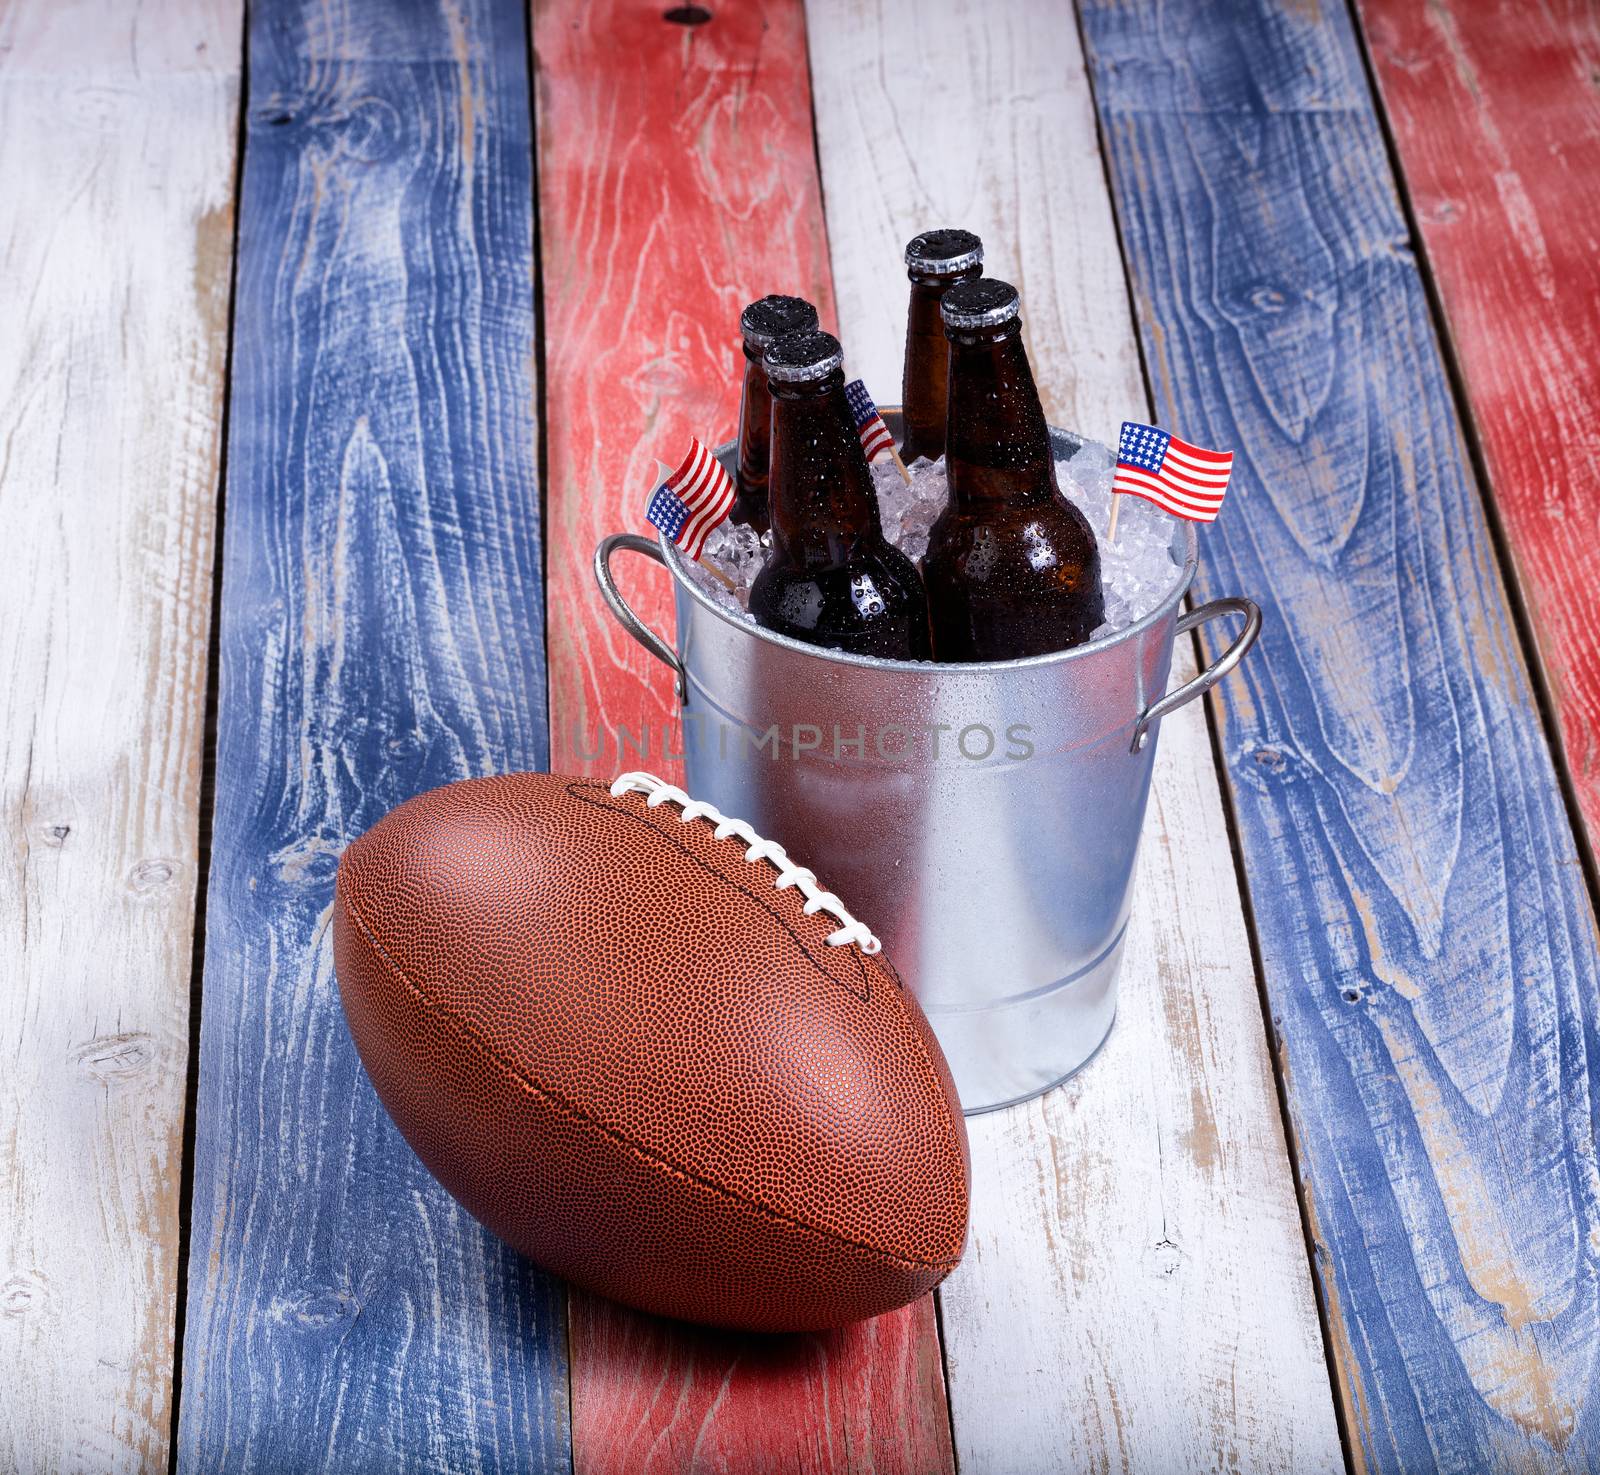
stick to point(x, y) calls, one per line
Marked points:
point(687, 15)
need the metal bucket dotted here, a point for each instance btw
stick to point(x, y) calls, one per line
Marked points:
point(982, 819)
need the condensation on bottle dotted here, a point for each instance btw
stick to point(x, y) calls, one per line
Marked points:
point(761, 324)
point(1012, 567)
point(831, 578)
point(936, 261)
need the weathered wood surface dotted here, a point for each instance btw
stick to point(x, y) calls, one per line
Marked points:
point(977, 118)
point(656, 1398)
point(1136, 1293)
point(381, 633)
point(1429, 946)
point(677, 182)
point(1495, 110)
point(116, 167)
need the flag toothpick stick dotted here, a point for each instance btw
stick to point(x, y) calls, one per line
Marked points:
point(875, 438)
point(717, 574)
point(1187, 481)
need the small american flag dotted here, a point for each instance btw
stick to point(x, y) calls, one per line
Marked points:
point(1188, 481)
point(692, 501)
point(875, 438)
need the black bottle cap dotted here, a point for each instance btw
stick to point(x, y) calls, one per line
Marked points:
point(984, 303)
point(769, 318)
point(799, 357)
point(941, 252)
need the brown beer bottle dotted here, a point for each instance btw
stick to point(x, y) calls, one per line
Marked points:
point(935, 261)
point(831, 578)
point(1012, 566)
point(761, 325)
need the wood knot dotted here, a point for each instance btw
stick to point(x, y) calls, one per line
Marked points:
point(373, 130)
point(274, 112)
point(318, 1309)
point(114, 1058)
point(1267, 766)
point(310, 860)
point(406, 747)
point(1165, 1257)
point(152, 875)
point(54, 836)
point(1267, 298)
point(22, 1294)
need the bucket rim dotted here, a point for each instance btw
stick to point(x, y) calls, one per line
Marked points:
point(1166, 610)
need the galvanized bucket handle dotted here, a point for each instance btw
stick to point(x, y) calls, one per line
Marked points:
point(633, 543)
point(663, 651)
point(1232, 604)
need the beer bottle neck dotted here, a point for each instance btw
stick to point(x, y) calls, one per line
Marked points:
point(923, 316)
point(755, 415)
point(924, 391)
point(820, 487)
point(997, 445)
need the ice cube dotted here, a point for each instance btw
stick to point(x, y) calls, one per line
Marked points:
point(1137, 572)
point(910, 510)
point(736, 550)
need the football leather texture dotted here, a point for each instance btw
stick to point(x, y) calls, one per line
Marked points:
point(632, 1056)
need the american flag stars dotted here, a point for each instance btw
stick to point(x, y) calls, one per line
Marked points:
point(1143, 445)
point(692, 501)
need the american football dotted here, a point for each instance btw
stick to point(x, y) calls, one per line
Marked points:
point(648, 1050)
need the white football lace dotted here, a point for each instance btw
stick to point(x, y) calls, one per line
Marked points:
point(660, 792)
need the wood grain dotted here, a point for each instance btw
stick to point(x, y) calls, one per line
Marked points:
point(677, 183)
point(654, 1398)
point(381, 634)
point(1430, 950)
point(978, 118)
point(1495, 110)
point(116, 168)
point(1136, 1293)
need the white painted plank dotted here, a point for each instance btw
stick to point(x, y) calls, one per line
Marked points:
point(114, 268)
point(1137, 1294)
point(977, 117)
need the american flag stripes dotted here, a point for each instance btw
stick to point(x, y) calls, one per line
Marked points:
point(692, 501)
point(875, 438)
point(1185, 480)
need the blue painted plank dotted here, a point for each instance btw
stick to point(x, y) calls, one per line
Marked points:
point(381, 633)
point(1428, 939)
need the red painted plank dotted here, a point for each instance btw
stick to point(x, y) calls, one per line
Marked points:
point(654, 1397)
point(1495, 107)
point(677, 181)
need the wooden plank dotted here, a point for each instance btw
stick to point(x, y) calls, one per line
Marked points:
point(1430, 950)
point(116, 166)
point(1137, 1294)
point(381, 634)
point(677, 182)
point(655, 1398)
point(1496, 116)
